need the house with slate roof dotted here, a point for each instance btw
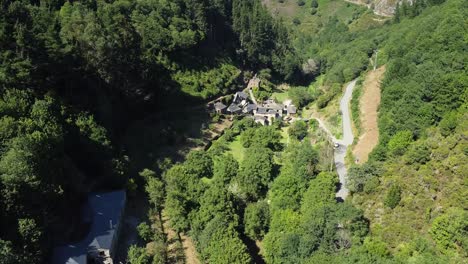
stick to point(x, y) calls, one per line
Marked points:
point(104, 213)
point(239, 97)
point(219, 107)
point(264, 114)
point(234, 109)
point(291, 110)
point(250, 108)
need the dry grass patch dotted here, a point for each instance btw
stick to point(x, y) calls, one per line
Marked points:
point(368, 105)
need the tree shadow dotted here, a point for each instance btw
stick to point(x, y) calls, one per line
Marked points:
point(253, 249)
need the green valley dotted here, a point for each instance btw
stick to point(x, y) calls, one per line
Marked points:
point(218, 131)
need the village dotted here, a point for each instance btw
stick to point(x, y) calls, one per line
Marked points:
point(264, 113)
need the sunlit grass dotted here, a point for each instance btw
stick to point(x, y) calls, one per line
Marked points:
point(236, 149)
point(280, 96)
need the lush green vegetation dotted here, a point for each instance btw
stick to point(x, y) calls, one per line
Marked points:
point(404, 189)
point(76, 74)
point(423, 102)
point(49, 154)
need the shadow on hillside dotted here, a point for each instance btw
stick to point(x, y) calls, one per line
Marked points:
point(176, 124)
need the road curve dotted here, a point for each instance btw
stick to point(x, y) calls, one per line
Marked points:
point(348, 137)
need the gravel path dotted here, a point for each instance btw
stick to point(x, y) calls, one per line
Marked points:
point(348, 137)
point(347, 140)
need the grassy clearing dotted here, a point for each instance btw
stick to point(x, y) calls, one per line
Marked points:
point(366, 21)
point(345, 12)
point(336, 127)
point(284, 135)
point(280, 96)
point(236, 149)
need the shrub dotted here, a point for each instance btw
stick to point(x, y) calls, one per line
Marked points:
point(449, 230)
point(393, 197)
point(300, 96)
point(216, 118)
point(448, 123)
point(418, 153)
point(256, 220)
point(137, 255)
point(325, 98)
point(298, 130)
point(360, 176)
point(371, 185)
point(400, 142)
point(296, 21)
point(314, 124)
point(300, 2)
point(314, 4)
point(247, 137)
point(144, 231)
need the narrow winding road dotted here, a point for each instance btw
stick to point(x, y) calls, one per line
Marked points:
point(348, 137)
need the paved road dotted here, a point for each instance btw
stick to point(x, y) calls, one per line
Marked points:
point(347, 140)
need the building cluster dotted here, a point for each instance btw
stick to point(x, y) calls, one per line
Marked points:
point(265, 113)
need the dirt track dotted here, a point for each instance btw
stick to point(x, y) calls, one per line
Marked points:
point(369, 105)
point(187, 254)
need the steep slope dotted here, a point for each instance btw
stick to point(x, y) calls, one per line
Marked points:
point(413, 190)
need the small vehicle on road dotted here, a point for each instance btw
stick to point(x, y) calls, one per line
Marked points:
point(336, 145)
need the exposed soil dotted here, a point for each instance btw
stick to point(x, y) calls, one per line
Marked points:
point(187, 254)
point(385, 8)
point(368, 106)
point(191, 256)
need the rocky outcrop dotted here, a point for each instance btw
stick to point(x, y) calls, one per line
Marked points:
point(380, 7)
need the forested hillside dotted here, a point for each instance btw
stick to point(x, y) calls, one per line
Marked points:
point(75, 74)
point(81, 80)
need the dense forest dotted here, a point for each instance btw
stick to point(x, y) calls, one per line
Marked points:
point(75, 75)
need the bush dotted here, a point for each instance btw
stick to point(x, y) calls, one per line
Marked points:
point(137, 255)
point(400, 142)
point(300, 96)
point(256, 220)
point(300, 2)
point(241, 125)
point(247, 137)
point(448, 123)
point(371, 185)
point(296, 21)
point(145, 232)
point(418, 153)
point(298, 130)
point(393, 197)
point(314, 4)
point(216, 118)
point(361, 176)
point(449, 230)
point(229, 135)
point(313, 11)
point(325, 98)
